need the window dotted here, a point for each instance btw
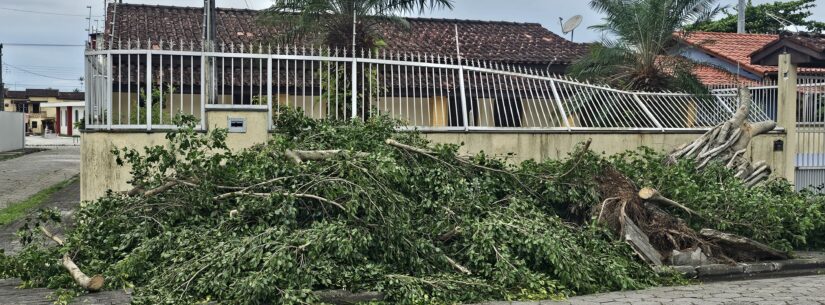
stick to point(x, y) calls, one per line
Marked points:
point(35, 107)
point(21, 107)
point(34, 124)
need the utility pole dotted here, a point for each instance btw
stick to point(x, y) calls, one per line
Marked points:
point(740, 25)
point(208, 46)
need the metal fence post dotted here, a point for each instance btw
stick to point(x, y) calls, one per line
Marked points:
point(269, 89)
point(647, 111)
point(354, 86)
point(205, 87)
point(559, 104)
point(108, 91)
point(89, 96)
point(149, 90)
point(464, 114)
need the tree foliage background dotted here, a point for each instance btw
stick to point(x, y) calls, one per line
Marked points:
point(633, 52)
point(330, 22)
point(758, 18)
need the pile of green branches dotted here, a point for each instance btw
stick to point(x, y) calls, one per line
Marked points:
point(357, 206)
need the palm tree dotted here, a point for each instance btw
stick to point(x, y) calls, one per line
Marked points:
point(330, 22)
point(637, 58)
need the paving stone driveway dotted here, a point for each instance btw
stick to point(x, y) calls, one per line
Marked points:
point(781, 291)
point(10, 295)
point(24, 176)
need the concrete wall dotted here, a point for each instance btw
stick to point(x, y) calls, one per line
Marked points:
point(541, 146)
point(11, 130)
point(99, 171)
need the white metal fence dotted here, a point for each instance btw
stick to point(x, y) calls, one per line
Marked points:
point(810, 161)
point(810, 118)
point(144, 85)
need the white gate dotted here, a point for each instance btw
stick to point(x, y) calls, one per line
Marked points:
point(810, 160)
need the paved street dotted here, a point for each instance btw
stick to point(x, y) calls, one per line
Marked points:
point(10, 295)
point(780, 291)
point(24, 176)
point(789, 291)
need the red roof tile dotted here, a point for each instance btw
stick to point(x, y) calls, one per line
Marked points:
point(733, 47)
point(711, 76)
point(28, 93)
point(71, 96)
point(528, 43)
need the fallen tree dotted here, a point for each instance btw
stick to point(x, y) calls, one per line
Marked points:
point(352, 212)
point(728, 143)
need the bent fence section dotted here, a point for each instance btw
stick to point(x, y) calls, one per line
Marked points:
point(143, 89)
point(144, 86)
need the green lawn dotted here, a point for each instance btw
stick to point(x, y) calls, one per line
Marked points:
point(16, 210)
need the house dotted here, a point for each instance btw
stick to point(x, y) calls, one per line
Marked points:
point(47, 109)
point(299, 83)
point(807, 50)
point(728, 58)
point(527, 44)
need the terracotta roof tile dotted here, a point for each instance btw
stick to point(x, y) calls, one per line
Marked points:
point(711, 76)
point(733, 47)
point(528, 43)
point(16, 94)
point(71, 96)
point(815, 42)
point(28, 93)
point(42, 92)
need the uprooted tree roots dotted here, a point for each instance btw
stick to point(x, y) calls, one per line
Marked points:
point(728, 144)
point(656, 235)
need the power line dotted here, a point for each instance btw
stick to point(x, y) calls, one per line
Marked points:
point(37, 74)
point(15, 85)
point(44, 13)
point(43, 45)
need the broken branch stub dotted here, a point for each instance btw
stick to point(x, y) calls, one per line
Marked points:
point(727, 143)
point(91, 284)
point(652, 195)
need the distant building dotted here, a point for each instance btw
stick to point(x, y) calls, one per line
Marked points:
point(47, 111)
point(726, 58)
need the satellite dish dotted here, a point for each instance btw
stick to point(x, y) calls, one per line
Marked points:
point(571, 25)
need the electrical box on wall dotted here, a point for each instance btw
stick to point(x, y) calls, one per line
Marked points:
point(236, 125)
point(778, 145)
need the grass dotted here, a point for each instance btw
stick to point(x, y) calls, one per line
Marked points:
point(17, 210)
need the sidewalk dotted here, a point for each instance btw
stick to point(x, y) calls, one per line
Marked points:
point(40, 141)
point(22, 177)
point(781, 291)
point(66, 200)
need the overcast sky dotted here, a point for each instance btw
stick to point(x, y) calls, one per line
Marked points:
point(64, 22)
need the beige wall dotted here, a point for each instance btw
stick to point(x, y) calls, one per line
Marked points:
point(540, 146)
point(257, 127)
point(99, 172)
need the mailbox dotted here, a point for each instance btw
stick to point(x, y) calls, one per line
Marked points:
point(778, 145)
point(236, 125)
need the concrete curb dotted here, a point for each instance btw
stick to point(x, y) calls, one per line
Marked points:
point(723, 272)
